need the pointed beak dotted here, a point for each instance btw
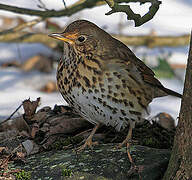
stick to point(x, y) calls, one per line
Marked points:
point(66, 37)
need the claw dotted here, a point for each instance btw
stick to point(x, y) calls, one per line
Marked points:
point(89, 141)
point(127, 139)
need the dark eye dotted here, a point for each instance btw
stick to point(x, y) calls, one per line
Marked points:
point(81, 38)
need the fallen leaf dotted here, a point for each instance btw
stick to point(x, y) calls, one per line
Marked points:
point(30, 108)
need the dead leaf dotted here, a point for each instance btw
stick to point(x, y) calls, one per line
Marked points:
point(35, 129)
point(4, 162)
point(30, 108)
point(8, 174)
point(20, 155)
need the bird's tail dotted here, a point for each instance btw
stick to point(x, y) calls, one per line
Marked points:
point(172, 93)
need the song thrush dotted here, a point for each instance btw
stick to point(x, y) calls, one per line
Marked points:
point(103, 80)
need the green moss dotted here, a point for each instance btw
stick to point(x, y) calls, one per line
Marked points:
point(151, 142)
point(66, 172)
point(58, 145)
point(23, 175)
point(148, 141)
point(61, 142)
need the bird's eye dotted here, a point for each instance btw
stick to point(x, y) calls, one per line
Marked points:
point(81, 38)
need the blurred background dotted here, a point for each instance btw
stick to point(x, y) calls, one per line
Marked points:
point(28, 68)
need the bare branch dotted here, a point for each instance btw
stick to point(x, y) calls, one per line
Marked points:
point(52, 13)
point(12, 114)
point(83, 4)
point(137, 18)
point(111, 3)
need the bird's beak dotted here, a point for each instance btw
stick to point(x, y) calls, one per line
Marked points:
point(66, 37)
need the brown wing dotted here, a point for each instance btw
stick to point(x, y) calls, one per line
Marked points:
point(148, 77)
point(122, 53)
point(147, 74)
point(133, 86)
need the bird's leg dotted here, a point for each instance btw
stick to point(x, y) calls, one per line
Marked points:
point(89, 141)
point(128, 137)
point(129, 155)
point(127, 142)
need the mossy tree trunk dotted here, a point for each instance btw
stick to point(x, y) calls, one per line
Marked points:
point(180, 164)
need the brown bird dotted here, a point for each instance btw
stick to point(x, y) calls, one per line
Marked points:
point(103, 80)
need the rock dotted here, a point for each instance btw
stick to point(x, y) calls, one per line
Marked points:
point(104, 162)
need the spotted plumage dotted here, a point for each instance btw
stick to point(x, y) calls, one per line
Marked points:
point(102, 79)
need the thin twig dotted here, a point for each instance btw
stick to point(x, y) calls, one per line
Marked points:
point(64, 4)
point(12, 114)
point(42, 5)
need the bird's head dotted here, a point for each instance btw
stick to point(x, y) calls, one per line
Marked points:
point(84, 36)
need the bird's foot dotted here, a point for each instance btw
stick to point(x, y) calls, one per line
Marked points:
point(128, 138)
point(120, 145)
point(88, 143)
point(133, 169)
point(127, 142)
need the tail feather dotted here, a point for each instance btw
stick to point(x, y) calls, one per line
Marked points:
point(172, 93)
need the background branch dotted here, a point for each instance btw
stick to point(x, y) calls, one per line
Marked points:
point(149, 41)
point(52, 13)
point(22, 26)
point(83, 4)
point(137, 18)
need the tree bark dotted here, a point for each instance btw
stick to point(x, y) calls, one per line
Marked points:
point(180, 164)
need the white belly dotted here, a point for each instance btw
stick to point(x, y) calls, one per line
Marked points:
point(88, 106)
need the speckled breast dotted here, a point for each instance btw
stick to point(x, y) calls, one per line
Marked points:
point(99, 96)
